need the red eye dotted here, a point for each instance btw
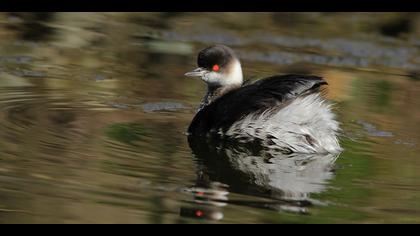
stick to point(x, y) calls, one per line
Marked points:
point(216, 68)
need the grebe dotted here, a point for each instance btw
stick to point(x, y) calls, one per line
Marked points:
point(282, 112)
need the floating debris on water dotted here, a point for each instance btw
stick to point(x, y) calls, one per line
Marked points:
point(119, 106)
point(99, 77)
point(372, 131)
point(16, 59)
point(163, 106)
point(29, 73)
point(406, 143)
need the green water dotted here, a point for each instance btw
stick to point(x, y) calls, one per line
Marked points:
point(94, 109)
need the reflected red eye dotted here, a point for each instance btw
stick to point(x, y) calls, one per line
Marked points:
point(199, 213)
point(216, 68)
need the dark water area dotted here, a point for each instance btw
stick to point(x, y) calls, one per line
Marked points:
point(94, 110)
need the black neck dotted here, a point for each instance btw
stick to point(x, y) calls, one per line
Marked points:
point(214, 92)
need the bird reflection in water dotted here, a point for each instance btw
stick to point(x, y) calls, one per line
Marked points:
point(278, 181)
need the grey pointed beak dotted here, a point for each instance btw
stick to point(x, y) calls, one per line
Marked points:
point(196, 73)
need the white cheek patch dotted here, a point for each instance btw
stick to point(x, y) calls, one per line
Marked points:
point(213, 78)
point(232, 76)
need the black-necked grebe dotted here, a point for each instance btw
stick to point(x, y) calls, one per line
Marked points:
point(284, 112)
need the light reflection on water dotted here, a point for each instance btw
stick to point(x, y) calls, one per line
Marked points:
point(94, 108)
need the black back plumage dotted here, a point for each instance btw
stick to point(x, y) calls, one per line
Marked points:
point(253, 98)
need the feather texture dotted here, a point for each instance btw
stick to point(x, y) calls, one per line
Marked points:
point(284, 112)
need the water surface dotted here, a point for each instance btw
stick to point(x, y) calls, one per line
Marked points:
point(94, 109)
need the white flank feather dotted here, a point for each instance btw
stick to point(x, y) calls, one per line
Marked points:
point(306, 125)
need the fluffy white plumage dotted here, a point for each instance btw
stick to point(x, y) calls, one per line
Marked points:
point(306, 125)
